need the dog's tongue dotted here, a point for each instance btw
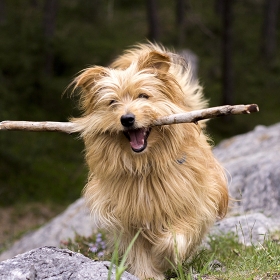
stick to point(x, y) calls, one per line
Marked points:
point(137, 138)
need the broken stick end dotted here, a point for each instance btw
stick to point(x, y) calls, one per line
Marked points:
point(252, 108)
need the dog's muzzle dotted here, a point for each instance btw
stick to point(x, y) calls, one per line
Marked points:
point(137, 136)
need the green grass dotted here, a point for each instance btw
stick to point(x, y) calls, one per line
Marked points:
point(224, 258)
point(91, 247)
point(120, 263)
point(238, 261)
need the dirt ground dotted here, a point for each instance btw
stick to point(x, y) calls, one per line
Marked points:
point(19, 219)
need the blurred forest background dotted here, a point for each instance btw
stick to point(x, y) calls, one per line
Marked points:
point(44, 43)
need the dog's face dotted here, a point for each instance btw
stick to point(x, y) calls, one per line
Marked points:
point(123, 103)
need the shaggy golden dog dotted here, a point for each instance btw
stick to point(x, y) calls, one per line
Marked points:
point(162, 180)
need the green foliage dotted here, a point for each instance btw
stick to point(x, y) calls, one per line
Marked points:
point(93, 247)
point(240, 262)
point(223, 259)
point(120, 266)
point(41, 166)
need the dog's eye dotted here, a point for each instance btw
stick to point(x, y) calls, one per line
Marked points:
point(112, 102)
point(143, 95)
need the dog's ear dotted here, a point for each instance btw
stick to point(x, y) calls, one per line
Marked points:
point(86, 82)
point(155, 60)
point(88, 78)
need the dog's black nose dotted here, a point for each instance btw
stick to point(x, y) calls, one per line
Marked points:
point(128, 120)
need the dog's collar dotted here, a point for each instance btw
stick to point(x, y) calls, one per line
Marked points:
point(182, 160)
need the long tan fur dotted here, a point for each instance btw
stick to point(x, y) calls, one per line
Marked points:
point(174, 189)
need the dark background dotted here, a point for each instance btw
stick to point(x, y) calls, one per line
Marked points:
point(44, 43)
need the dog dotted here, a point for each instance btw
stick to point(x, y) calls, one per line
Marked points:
point(161, 180)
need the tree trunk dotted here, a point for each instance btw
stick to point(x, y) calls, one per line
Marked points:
point(218, 7)
point(50, 11)
point(269, 32)
point(93, 10)
point(2, 12)
point(34, 4)
point(153, 23)
point(181, 9)
point(227, 65)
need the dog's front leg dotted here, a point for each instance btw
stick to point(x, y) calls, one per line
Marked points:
point(173, 248)
point(140, 261)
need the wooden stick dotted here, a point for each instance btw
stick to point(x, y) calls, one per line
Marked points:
point(188, 117)
point(209, 113)
point(66, 127)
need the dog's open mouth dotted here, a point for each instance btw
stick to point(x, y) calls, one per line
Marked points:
point(137, 138)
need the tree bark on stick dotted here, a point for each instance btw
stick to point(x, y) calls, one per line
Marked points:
point(66, 127)
point(188, 117)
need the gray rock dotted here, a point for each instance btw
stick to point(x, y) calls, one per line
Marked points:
point(75, 219)
point(252, 161)
point(56, 264)
point(250, 229)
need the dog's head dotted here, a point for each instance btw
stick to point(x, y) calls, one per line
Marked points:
point(124, 102)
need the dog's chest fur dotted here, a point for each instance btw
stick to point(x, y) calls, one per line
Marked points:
point(163, 194)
